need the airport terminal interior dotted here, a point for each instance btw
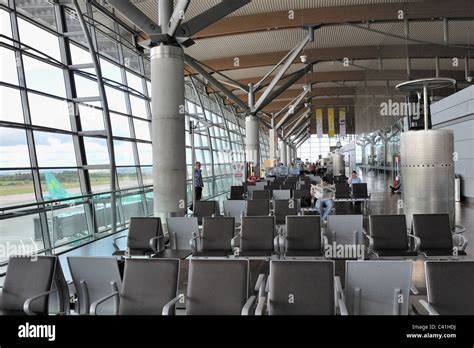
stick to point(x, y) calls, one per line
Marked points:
point(237, 157)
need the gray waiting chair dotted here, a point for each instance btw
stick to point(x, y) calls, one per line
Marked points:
point(303, 237)
point(215, 238)
point(378, 287)
point(29, 287)
point(237, 192)
point(343, 191)
point(181, 231)
point(281, 194)
point(203, 209)
point(450, 287)
point(302, 288)
point(145, 237)
point(217, 287)
point(234, 209)
point(263, 194)
point(148, 286)
point(283, 208)
point(388, 237)
point(345, 232)
point(435, 238)
point(257, 237)
point(359, 191)
point(257, 208)
point(94, 278)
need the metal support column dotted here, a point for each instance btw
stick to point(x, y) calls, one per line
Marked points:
point(252, 146)
point(168, 131)
point(283, 156)
point(288, 155)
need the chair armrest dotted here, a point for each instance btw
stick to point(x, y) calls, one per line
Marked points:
point(167, 307)
point(233, 241)
point(260, 305)
point(276, 244)
point(342, 307)
point(431, 310)
point(193, 241)
point(340, 298)
point(114, 294)
point(114, 243)
point(248, 305)
point(460, 240)
point(417, 241)
point(27, 304)
point(260, 285)
point(94, 305)
point(371, 242)
point(152, 243)
point(338, 286)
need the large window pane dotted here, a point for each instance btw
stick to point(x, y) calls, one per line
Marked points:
point(127, 177)
point(54, 150)
point(16, 187)
point(110, 71)
point(37, 73)
point(10, 105)
point(138, 107)
point(147, 175)
point(96, 151)
point(67, 225)
point(116, 100)
point(20, 236)
point(5, 26)
point(120, 126)
point(100, 180)
point(142, 129)
point(8, 72)
point(134, 82)
point(59, 183)
point(40, 39)
point(13, 148)
point(49, 112)
point(124, 153)
point(145, 153)
point(91, 118)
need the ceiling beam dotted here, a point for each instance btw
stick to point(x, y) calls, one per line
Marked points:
point(276, 106)
point(339, 14)
point(339, 53)
point(369, 75)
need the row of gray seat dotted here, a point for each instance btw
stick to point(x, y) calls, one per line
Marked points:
point(222, 287)
point(301, 236)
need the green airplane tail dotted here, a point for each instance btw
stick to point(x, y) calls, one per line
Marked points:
point(55, 189)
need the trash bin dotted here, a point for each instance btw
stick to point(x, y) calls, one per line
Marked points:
point(457, 188)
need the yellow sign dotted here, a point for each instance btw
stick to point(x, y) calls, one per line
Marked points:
point(331, 129)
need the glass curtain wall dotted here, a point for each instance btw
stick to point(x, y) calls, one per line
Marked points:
point(54, 159)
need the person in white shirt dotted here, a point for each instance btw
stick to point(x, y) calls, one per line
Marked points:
point(324, 193)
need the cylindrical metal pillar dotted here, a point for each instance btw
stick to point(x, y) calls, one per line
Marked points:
point(252, 146)
point(427, 173)
point(168, 131)
point(283, 156)
point(288, 155)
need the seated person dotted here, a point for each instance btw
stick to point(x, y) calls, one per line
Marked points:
point(397, 185)
point(354, 179)
point(324, 194)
